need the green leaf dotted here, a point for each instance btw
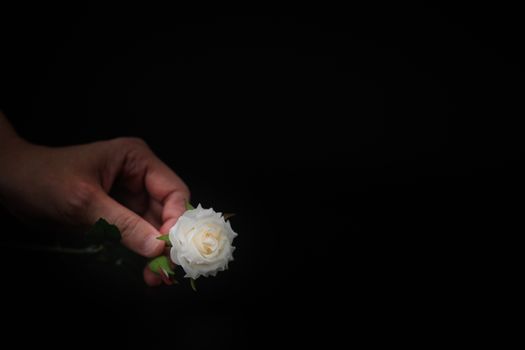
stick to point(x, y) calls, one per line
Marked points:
point(165, 238)
point(161, 263)
point(193, 286)
point(189, 206)
point(103, 232)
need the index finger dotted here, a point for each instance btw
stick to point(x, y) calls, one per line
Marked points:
point(168, 189)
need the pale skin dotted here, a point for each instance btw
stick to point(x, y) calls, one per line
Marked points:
point(67, 187)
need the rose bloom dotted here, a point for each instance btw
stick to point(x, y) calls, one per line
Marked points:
point(201, 242)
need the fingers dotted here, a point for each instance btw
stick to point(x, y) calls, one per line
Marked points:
point(168, 189)
point(137, 234)
point(140, 170)
point(174, 207)
point(162, 182)
point(153, 214)
point(168, 224)
point(151, 278)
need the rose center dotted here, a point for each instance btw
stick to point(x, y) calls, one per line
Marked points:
point(208, 242)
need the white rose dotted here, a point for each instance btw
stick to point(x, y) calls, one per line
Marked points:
point(201, 242)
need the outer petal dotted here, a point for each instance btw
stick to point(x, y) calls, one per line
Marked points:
point(185, 253)
point(174, 255)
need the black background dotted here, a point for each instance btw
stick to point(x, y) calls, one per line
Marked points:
point(372, 156)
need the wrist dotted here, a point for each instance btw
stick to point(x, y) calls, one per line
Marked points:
point(13, 166)
point(11, 144)
point(8, 135)
point(13, 150)
point(10, 141)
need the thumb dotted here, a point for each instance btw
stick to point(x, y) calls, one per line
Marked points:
point(137, 234)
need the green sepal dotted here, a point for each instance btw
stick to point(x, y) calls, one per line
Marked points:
point(193, 286)
point(165, 238)
point(161, 263)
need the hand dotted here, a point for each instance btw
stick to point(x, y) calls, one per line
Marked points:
point(69, 186)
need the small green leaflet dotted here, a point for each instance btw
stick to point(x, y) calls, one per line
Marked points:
point(165, 238)
point(161, 263)
point(193, 286)
point(189, 206)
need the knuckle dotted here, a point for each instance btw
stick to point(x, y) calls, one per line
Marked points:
point(181, 193)
point(126, 224)
point(185, 191)
point(133, 150)
point(131, 143)
point(80, 197)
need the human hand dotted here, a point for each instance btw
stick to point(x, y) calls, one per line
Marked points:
point(70, 187)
